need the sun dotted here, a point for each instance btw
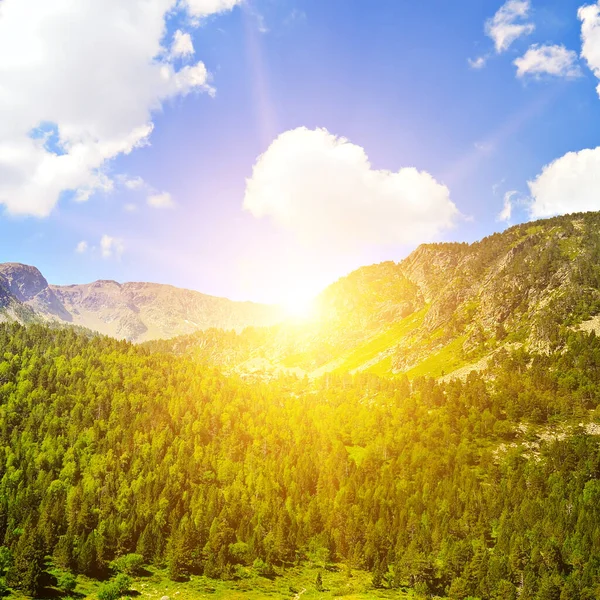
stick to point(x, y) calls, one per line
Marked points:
point(299, 307)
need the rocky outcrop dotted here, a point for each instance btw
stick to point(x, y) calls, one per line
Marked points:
point(30, 287)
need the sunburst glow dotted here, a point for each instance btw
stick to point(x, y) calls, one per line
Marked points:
point(300, 307)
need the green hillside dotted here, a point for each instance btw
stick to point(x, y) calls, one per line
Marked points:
point(116, 459)
point(433, 432)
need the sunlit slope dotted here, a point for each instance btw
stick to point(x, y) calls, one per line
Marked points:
point(445, 307)
point(359, 319)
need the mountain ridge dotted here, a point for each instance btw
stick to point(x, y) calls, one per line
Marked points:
point(444, 307)
point(135, 311)
point(477, 485)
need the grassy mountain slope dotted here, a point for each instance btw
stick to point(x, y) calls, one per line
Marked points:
point(443, 308)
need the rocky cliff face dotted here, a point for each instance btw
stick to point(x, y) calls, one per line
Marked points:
point(132, 311)
point(526, 283)
point(511, 278)
point(29, 287)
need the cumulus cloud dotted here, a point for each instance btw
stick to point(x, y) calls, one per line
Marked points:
point(182, 44)
point(163, 200)
point(507, 208)
point(111, 247)
point(81, 247)
point(571, 183)
point(477, 63)
point(509, 24)
point(553, 60)
point(80, 80)
point(133, 183)
point(204, 8)
point(590, 36)
point(324, 189)
point(567, 185)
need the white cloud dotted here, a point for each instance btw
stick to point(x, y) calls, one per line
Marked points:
point(182, 44)
point(509, 24)
point(261, 23)
point(154, 198)
point(296, 16)
point(506, 212)
point(496, 186)
point(80, 80)
point(590, 36)
point(111, 247)
point(204, 8)
point(162, 200)
point(477, 63)
point(324, 189)
point(567, 185)
point(133, 183)
point(548, 60)
point(81, 247)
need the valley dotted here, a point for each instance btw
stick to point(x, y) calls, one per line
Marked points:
point(443, 308)
point(432, 433)
point(299, 300)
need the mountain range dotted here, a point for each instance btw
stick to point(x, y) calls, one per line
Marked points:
point(446, 309)
point(133, 311)
point(449, 449)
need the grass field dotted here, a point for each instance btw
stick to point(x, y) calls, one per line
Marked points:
point(292, 583)
point(448, 359)
point(389, 339)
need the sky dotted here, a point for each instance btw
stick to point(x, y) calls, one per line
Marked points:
point(261, 149)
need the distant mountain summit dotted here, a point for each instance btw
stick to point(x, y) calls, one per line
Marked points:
point(446, 308)
point(133, 311)
point(29, 287)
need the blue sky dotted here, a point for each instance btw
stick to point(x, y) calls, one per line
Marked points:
point(390, 76)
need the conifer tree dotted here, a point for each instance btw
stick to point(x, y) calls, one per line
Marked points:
point(27, 569)
point(319, 582)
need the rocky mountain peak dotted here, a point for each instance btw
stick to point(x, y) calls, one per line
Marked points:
point(133, 311)
point(24, 282)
